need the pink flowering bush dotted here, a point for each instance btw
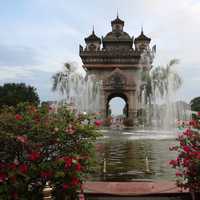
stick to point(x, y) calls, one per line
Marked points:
point(40, 145)
point(187, 163)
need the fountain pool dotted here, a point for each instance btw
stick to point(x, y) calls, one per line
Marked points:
point(127, 155)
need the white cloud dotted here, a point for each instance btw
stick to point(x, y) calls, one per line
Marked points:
point(54, 29)
point(11, 73)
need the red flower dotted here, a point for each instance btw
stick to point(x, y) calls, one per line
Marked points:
point(68, 162)
point(186, 149)
point(18, 117)
point(186, 162)
point(2, 177)
point(78, 167)
point(75, 181)
point(65, 186)
point(98, 122)
point(193, 123)
point(33, 156)
point(23, 168)
point(188, 133)
point(198, 114)
point(46, 174)
point(174, 163)
point(22, 138)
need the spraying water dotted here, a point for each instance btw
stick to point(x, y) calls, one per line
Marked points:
point(158, 97)
point(78, 91)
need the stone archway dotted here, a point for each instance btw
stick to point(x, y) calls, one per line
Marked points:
point(113, 95)
point(119, 84)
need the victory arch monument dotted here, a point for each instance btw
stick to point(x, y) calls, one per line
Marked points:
point(117, 60)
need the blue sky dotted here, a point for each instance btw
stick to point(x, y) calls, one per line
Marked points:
point(38, 36)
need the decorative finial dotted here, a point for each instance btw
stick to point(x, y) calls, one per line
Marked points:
point(93, 29)
point(117, 14)
point(142, 30)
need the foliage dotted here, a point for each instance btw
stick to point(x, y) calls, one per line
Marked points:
point(195, 104)
point(40, 145)
point(187, 162)
point(13, 93)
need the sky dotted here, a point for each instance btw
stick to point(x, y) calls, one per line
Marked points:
point(38, 36)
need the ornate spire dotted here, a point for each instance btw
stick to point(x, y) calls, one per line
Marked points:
point(92, 37)
point(142, 36)
point(142, 33)
point(93, 30)
point(117, 20)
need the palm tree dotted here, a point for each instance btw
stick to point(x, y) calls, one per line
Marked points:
point(73, 84)
point(163, 78)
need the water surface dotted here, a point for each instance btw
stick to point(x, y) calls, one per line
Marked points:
point(126, 155)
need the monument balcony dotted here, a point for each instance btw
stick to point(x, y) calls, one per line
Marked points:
point(116, 57)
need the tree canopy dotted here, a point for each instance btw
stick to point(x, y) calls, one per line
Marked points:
point(12, 94)
point(195, 104)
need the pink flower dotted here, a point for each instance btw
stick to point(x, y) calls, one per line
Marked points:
point(98, 122)
point(33, 156)
point(23, 168)
point(186, 162)
point(65, 186)
point(186, 149)
point(18, 117)
point(22, 138)
point(188, 133)
point(178, 173)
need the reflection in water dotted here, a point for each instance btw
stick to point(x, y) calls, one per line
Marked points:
point(125, 157)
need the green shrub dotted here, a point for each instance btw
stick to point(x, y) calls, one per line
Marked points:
point(40, 145)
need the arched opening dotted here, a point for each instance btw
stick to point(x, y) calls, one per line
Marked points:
point(117, 105)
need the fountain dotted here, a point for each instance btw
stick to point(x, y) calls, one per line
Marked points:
point(117, 69)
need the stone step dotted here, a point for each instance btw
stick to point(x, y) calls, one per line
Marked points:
point(177, 196)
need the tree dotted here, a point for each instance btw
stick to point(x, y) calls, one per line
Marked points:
point(160, 81)
point(195, 104)
point(12, 94)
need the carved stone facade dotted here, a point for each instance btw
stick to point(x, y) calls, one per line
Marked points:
point(115, 62)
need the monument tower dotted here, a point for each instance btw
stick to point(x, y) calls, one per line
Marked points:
point(118, 64)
